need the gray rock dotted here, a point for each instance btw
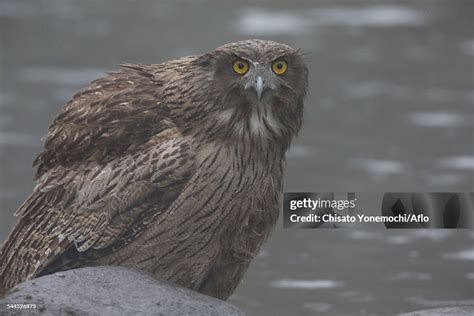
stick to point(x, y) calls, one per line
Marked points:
point(444, 311)
point(109, 291)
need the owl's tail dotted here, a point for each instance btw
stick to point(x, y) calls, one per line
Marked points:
point(28, 247)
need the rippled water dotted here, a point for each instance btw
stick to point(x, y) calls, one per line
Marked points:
point(390, 108)
point(259, 21)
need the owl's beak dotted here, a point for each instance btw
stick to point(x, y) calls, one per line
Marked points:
point(259, 86)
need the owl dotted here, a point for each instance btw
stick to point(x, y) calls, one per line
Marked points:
point(174, 169)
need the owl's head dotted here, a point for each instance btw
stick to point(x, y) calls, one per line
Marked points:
point(260, 69)
point(257, 88)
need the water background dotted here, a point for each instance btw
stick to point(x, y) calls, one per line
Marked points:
point(390, 108)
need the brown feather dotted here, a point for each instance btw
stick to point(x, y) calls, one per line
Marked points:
point(172, 168)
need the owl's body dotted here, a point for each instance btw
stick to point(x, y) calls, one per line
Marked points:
point(174, 169)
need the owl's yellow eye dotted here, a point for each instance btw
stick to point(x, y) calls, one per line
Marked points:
point(279, 67)
point(241, 66)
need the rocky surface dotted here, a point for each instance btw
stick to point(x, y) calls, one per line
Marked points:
point(108, 291)
point(443, 311)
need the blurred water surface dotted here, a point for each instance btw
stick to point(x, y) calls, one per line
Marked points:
point(390, 108)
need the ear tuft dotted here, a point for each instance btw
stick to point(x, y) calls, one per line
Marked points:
point(203, 60)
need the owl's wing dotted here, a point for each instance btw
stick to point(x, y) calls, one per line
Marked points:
point(113, 115)
point(101, 180)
